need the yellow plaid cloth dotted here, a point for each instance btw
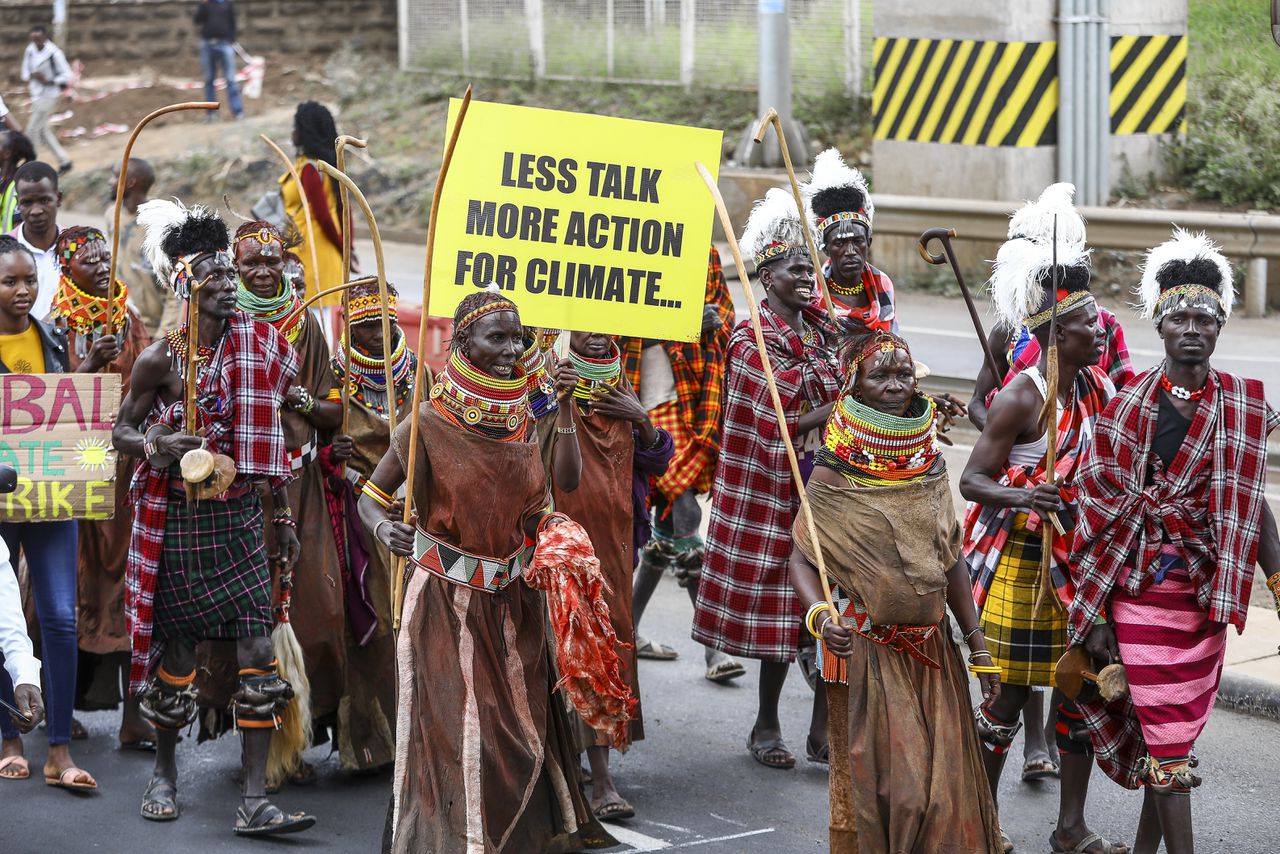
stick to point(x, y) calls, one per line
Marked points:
point(1025, 643)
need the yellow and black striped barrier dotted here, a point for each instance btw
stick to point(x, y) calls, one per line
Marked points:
point(1006, 93)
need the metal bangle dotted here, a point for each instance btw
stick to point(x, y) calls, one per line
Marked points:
point(378, 527)
point(567, 431)
point(971, 633)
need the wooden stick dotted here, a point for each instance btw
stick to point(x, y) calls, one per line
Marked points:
point(948, 256)
point(342, 288)
point(340, 145)
point(193, 365)
point(841, 779)
point(1049, 418)
point(306, 206)
point(397, 598)
point(771, 118)
point(120, 185)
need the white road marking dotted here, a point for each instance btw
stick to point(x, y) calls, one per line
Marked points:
point(727, 820)
point(677, 828)
point(728, 838)
point(635, 839)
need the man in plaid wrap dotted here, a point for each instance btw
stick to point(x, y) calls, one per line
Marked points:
point(1173, 517)
point(746, 605)
point(681, 386)
point(1020, 596)
point(198, 568)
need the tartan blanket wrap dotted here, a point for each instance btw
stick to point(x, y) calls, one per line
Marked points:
point(249, 372)
point(881, 312)
point(745, 602)
point(1208, 504)
point(987, 529)
point(1024, 351)
point(699, 369)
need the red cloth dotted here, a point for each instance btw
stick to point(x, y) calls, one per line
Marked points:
point(241, 394)
point(313, 186)
point(1208, 504)
point(566, 568)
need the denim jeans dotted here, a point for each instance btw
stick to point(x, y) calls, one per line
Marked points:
point(212, 55)
point(50, 548)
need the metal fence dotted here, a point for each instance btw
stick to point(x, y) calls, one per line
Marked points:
point(704, 43)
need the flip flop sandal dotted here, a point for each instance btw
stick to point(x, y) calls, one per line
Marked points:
point(78, 731)
point(761, 751)
point(724, 672)
point(14, 761)
point(1082, 847)
point(614, 809)
point(646, 648)
point(817, 757)
point(62, 781)
point(1039, 769)
point(161, 792)
point(267, 820)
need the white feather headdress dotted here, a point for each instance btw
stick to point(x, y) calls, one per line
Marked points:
point(1020, 265)
point(1034, 220)
point(1185, 247)
point(158, 218)
point(830, 172)
point(774, 222)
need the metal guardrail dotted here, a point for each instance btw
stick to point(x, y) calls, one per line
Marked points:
point(1250, 237)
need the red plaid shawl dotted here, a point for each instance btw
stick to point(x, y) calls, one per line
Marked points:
point(987, 529)
point(698, 367)
point(882, 308)
point(745, 602)
point(1209, 502)
point(1024, 351)
point(252, 368)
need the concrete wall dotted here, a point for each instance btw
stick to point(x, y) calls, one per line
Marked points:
point(160, 31)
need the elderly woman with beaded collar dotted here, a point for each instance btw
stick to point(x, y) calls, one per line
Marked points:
point(484, 759)
point(882, 504)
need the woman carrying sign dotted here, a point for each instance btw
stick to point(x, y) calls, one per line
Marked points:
point(484, 755)
point(746, 606)
point(28, 346)
point(88, 307)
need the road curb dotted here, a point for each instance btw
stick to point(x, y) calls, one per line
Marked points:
point(1248, 695)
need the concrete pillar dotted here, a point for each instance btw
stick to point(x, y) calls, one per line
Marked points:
point(1255, 287)
point(774, 90)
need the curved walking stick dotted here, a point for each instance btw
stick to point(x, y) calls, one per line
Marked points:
point(771, 118)
point(340, 146)
point(336, 289)
point(948, 256)
point(842, 821)
point(397, 599)
point(306, 206)
point(120, 185)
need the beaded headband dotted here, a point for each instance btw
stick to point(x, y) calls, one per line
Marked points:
point(264, 236)
point(774, 251)
point(68, 247)
point(477, 313)
point(1066, 304)
point(1189, 296)
point(844, 216)
point(881, 342)
point(369, 307)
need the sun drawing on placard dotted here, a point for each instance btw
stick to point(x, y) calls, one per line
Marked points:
point(94, 454)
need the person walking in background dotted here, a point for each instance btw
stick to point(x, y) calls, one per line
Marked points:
point(217, 22)
point(46, 73)
point(314, 133)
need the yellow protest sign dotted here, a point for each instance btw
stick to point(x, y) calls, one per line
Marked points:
point(55, 430)
point(586, 222)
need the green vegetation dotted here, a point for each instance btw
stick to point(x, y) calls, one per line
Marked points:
point(1233, 110)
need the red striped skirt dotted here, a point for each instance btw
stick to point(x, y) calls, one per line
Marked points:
point(1172, 656)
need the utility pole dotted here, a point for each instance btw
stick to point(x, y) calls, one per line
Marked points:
point(774, 90)
point(60, 23)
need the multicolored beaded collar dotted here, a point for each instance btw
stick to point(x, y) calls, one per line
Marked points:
point(88, 315)
point(492, 407)
point(542, 390)
point(595, 375)
point(368, 376)
point(281, 310)
point(873, 448)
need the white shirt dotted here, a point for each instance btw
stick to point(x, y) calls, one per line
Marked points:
point(4, 111)
point(51, 61)
point(49, 269)
point(19, 660)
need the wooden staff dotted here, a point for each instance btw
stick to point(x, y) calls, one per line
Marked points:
point(336, 289)
point(120, 185)
point(340, 146)
point(1049, 420)
point(948, 256)
point(842, 831)
point(771, 118)
point(306, 206)
point(397, 599)
point(193, 367)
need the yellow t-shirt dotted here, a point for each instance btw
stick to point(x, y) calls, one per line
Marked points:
point(23, 353)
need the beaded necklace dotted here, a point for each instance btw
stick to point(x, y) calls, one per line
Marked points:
point(594, 375)
point(493, 407)
point(368, 376)
point(1178, 391)
point(542, 391)
point(873, 448)
point(852, 291)
point(177, 341)
point(280, 310)
point(87, 315)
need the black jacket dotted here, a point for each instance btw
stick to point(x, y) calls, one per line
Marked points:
point(57, 359)
point(217, 20)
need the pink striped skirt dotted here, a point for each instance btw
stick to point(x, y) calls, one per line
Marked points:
point(1172, 655)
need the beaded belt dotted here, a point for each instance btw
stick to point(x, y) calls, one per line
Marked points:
point(486, 574)
point(900, 638)
point(304, 456)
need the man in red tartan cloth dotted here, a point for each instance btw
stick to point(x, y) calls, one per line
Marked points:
point(1173, 518)
point(681, 386)
point(1022, 594)
point(199, 568)
point(746, 605)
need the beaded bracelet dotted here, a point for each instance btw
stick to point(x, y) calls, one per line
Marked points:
point(378, 496)
point(814, 609)
point(286, 521)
